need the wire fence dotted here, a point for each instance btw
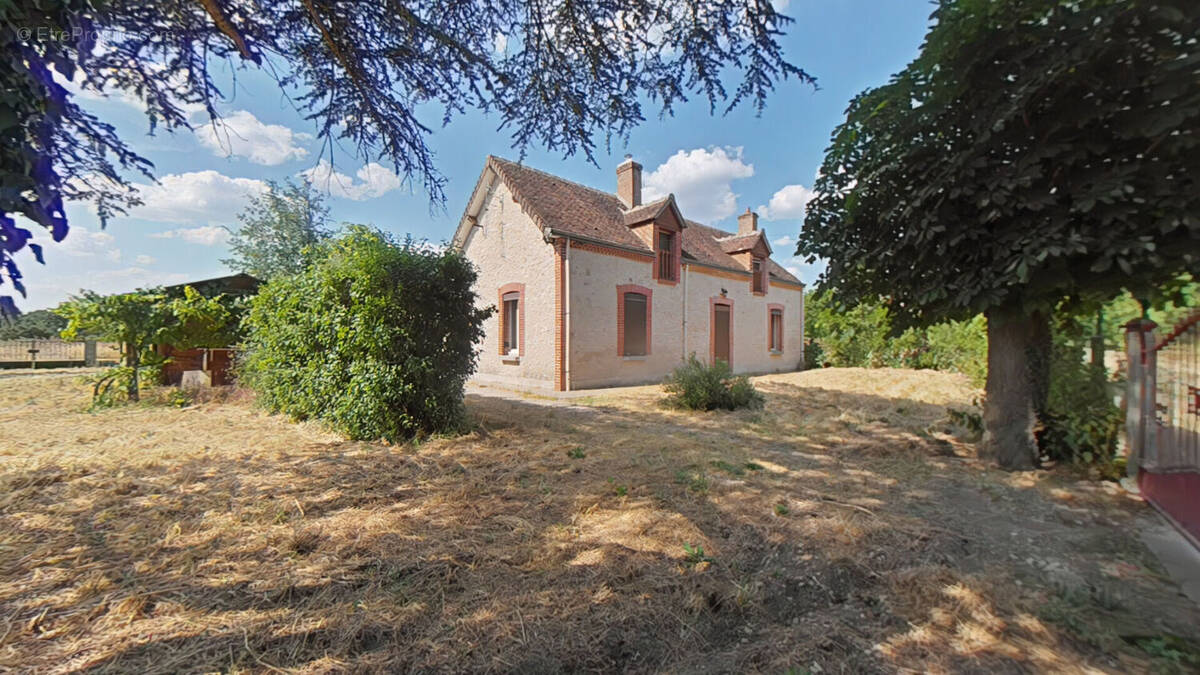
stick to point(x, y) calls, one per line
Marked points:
point(1177, 398)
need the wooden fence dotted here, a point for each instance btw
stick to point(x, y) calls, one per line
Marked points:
point(34, 353)
point(1162, 422)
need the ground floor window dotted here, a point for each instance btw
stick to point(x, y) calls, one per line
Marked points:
point(633, 320)
point(511, 319)
point(775, 329)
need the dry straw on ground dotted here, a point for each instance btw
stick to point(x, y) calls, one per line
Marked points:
point(846, 527)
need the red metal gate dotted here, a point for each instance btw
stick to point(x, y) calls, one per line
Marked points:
point(1163, 419)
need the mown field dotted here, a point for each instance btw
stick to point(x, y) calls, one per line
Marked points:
point(847, 527)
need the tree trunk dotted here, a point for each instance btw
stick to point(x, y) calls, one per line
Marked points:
point(1038, 353)
point(1009, 417)
point(134, 362)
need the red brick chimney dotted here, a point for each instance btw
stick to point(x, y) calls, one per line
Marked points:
point(629, 182)
point(747, 222)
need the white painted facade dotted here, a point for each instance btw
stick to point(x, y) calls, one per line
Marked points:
point(507, 247)
point(569, 294)
point(593, 360)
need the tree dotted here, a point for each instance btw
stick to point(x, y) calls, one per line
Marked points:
point(374, 339)
point(369, 74)
point(277, 227)
point(1034, 151)
point(141, 319)
point(40, 323)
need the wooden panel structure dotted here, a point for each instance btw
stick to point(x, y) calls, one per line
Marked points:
point(218, 362)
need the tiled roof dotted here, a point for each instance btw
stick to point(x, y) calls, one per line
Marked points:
point(641, 214)
point(571, 208)
point(742, 242)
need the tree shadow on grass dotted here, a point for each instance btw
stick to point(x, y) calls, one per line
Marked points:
point(551, 539)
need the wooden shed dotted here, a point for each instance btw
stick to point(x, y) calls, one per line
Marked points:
point(217, 363)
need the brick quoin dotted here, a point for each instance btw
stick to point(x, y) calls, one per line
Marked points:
point(560, 324)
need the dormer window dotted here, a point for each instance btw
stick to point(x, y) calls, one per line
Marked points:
point(758, 278)
point(665, 252)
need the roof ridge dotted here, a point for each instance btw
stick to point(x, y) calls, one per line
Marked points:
point(708, 227)
point(666, 198)
point(555, 177)
point(575, 209)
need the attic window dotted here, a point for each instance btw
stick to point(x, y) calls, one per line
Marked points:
point(758, 278)
point(665, 250)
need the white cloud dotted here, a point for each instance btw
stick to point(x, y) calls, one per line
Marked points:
point(373, 180)
point(500, 43)
point(701, 181)
point(82, 243)
point(144, 260)
point(196, 197)
point(804, 270)
point(120, 280)
point(787, 203)
point(785, 240)
point(241, 134)
point(205, 235)
point(780, 6)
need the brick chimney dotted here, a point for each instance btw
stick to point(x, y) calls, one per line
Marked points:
point(748, 222)
point(629, 182)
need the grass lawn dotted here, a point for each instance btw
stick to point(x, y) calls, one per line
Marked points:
point(847, 527)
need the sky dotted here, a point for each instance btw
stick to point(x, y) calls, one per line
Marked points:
point(716, 165)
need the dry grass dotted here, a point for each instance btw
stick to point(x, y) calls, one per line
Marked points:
point(846, 525)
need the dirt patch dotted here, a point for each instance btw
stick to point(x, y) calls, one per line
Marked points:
point(846, 527)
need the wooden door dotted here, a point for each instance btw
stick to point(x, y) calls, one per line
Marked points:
point(721, 329)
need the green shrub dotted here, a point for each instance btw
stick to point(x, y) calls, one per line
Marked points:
point(1082, 424)
point(698, 386)
point(848, 337)
point(374, 339)
point(814, 356)
point(862, 336)
point(959, 346)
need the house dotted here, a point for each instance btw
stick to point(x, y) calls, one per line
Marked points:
point(596, 289)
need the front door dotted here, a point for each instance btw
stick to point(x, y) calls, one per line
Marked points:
point(721, 333)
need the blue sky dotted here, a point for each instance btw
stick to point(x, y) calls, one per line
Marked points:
point(716, 166)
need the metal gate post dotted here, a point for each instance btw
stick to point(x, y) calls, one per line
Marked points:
point(1139, 393)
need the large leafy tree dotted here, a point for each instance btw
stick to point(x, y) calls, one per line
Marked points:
point(369, 75)
point(1035, 151)
point(40, 323)
point(277, 227)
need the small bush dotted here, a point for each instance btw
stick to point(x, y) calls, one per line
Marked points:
point(373, 338)
point(695, 555)
point(1082, 424)
point(111, 387)
point(814, 356)
point(699, 386)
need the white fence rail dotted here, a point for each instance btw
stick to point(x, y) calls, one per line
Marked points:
point(33, 351)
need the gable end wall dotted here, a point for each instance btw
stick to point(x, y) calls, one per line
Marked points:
point(507, 248)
